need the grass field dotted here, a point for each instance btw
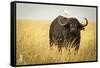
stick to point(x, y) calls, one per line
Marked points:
point(32, 44)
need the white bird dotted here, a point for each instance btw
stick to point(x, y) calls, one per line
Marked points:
point(66, 13)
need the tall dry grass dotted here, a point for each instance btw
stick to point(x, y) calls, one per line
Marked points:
point(32, 44)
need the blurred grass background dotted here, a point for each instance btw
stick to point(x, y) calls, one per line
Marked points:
point(32, 44)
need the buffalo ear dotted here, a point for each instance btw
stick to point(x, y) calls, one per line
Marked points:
point(81, 27)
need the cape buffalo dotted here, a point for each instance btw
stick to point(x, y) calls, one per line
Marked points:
point(65, 32)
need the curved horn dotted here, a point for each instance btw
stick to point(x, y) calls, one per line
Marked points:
point(61, 22)
point(86, 22)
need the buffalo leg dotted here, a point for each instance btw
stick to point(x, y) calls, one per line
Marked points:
point(77, 45)
point(51, 44)
point(59, 48)
point(66, 45)
point(76, 49)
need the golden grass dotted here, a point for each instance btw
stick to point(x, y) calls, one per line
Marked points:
point(32, 44)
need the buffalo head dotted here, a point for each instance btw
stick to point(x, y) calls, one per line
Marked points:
point(72, 24)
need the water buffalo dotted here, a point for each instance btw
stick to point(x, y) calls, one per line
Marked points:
point(65, 32)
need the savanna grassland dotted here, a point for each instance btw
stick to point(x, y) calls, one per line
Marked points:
point(32, 44)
